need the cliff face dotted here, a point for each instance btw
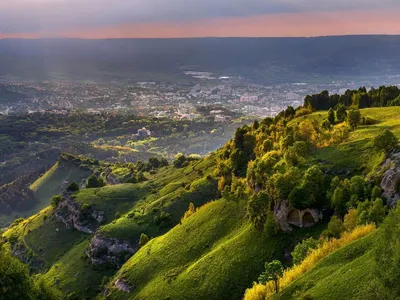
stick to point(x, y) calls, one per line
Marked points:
point(111, 251)
point(390, 183)
point(286, 216)
point(72, 214)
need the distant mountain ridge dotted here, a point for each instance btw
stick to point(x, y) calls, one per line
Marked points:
point(255, 59)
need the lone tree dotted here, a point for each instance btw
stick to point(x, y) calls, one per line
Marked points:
point(331, 116)
point(354, 118)
point(144, 239)
point(341, 113)
point(273, 270)
point(385, 141)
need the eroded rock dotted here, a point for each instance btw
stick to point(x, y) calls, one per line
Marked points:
point(391, 179)
point(103, 250)
point(285, 216)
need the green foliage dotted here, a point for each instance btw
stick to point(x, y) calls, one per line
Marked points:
point(385, 141)
point(341, 113)
point(55, 200)
point(331, 116)
point(257, 209)
point(15, 282)
point(387, 253)
point(95, 182)
point(335, 227)
point(72, 187)
point(273, 270)
point(354, 118)
point(144, 239)
point(164, 220)
point(372, 211)
point(302, 249)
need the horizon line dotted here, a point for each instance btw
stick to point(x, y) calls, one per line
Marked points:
point(204, 37)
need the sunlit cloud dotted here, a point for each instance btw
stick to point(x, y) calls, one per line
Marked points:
point(188, 18)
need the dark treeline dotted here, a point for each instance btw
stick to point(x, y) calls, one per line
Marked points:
point(361, 98)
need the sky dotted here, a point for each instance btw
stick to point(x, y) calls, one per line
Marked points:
point(94, 19)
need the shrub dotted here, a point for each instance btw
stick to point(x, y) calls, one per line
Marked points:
point(73, 187)
point(302, 249)
point(335, 227)
point(95, 182)
point(385, 141)
point(144, 239)
point(55, 200)
point(191, 210)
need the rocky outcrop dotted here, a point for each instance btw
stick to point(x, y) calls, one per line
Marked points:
point(121, 285)
point(391, 179)
point(72, 214)
point(285, 216)
point(110, 251)
point(27, 256)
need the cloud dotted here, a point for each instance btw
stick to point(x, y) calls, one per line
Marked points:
point(32, 16)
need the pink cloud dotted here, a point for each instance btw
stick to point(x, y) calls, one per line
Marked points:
point(278, 25)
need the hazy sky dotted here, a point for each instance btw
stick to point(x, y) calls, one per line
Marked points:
point(185, 18)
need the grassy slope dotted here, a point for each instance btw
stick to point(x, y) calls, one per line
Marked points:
point(214, 254)
point(74, 273)
point(357, 152)
point(345, 274)
point(172, 192)
point(55, 180)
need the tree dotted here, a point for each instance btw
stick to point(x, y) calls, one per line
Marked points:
point(191, 210)
point(338, 201)
point(55, 200)
point(273, 270)
point(302, 249)
point(372, 211)
point(354, 118)
point(341, 113)
point(335, 227)
point(331, 116)
point(95, 182)
point(350, 219)
point(73, 187)
point(376, 192)
point(257, 209)
point(385, 141)
point(144, 239)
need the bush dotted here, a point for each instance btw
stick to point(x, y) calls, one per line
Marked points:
point(385, 141)
point(302, 249)
point(144, 239)
point(95, 182)
point(335, 227)
point(55, 200)
point(73, 187)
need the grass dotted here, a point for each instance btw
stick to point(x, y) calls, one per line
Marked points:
point(74, 264)
point(55, 180)
point(344, 274)
point(214, 254)
point(313, 258)
point(356, 154)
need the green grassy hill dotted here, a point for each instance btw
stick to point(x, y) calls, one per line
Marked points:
point(57, 178)
point(217, 252)
point(214, 254)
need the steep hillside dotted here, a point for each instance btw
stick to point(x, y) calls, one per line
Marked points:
point(203, 228)
point(216, 250)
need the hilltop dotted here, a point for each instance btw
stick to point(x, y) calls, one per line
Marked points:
point(203, 228)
